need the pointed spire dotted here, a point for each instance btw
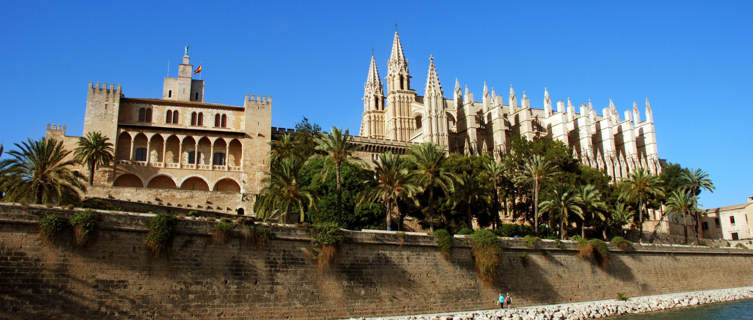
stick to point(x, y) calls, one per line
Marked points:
point(433, 85)
point(547, 99)
point(466, 90)
point(513, 99)
point(373, 77)
point(457, 85)
point(457, 93)
point(547, 103)
point(397, 49)
point(649, 112)
point(636, 114)
point(526, 102)
point(611, 104)
point(486, 90)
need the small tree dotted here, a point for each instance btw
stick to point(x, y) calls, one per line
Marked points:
point(534, 172)
point(338, 147)
point(639, 187)
point(562, 203)
point(393, 181)
point(431, 172)
point(94, 150)
point(681, 202)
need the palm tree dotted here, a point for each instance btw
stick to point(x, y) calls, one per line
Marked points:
point(562, 203)
point(338, 147)
point(639, 187)
point(681, 202)
point(283, 192)
point(696, 181)
point(620, 216)
point(393, 181)
point(39, 172)
point(431, 172)
point(589, 199)
point(470, 189)
point(94, 150)
point(534, 172)
point(282, 148)
point(495, 172)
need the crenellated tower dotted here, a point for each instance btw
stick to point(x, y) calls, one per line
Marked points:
point(399, 125)
point(372, 123)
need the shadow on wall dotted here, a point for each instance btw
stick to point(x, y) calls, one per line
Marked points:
point(526, 279)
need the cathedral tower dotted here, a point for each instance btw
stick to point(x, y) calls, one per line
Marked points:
point(399, 123)
point(372, 123)
point(435, 116)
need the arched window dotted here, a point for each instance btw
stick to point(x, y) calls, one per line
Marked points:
point(193, 118)
point(142, 114)
point(169, 93)
point(169, 117)
point(148, 114)
point(224, 121)
point(141, 154)
point(175, 116)
point(216, 120)
point(200, 121)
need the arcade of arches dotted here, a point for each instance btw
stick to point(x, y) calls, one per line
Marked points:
point(180, 151)
point(163, 181)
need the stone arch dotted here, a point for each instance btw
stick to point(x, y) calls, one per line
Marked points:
point(156, 146)
point(123, 149)
point(128, 180)
point(172, 149)
point(188, 156)
point(235, 150)
point(205, 149)
point(219, 157)
point(194, 183)
point(161, 181)
point(227, 185)
point(139, 147)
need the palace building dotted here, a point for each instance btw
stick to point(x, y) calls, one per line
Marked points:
point(465, 125)
point(178, 150)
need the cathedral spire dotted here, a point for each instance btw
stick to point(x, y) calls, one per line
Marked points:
point(649, 112)
point(457, 93)
point(372, 79)
point(433, 86)
point(513, 99)
point(397, 68)
point(397, 50)
point(486, 90)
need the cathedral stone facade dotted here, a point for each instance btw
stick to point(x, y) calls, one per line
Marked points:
point(464, 125)
point(178, 150)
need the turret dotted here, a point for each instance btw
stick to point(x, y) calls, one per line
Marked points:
point(183, 87)
point(636, 114)
point(435, 117)
point(457, 94)
point(547, 104)
point(372, 123)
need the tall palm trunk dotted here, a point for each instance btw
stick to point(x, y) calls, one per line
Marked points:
point(685, 225)
point(339, 194)
point(536, 206)
point(431, 209)
point(388, 204)
point(640, 220)
point(563, 228)
point(91, 173)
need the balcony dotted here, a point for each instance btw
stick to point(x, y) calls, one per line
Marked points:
point(175, 165)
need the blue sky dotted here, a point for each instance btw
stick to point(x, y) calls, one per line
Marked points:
point(693, 60)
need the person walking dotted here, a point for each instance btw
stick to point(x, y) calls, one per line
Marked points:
point(501, 301)
point(508, 300)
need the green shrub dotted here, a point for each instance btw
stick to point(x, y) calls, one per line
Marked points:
point(726, 244)
point(51, 226)
point(621, 296)
point(222, 231)
point(257, 236)
point(465, 231)
point(524, 258)
point(513, 229)
point(84, 223)
point(621, 243)
point(487, 253)
point(740, 245)
point(326, 236)
point(161, 233)
point(559, 244)
point(531, 241)
point(444, 242)
point(595, 249)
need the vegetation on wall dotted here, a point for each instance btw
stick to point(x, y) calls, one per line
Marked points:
point(325, 239)
point(444, 242)
point(84, 224)
point(161, 233)
point(487, 254)
point(222, 231)
point(51, 226)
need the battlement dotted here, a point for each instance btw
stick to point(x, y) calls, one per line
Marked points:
point(55, 130)
point(276, 132)
point(259, 99)
point(105, 87)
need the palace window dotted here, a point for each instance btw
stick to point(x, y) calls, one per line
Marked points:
point(224, 121)
point(191, 157)
point(732, 220)
point(175, 116)
point(140, 154)
point(200, 120)
point(735, 236)
point(148, 114)
point(218, 159)
point(193, 118)
point(216, 120)
point(142, 115)
point(169, 93)
point(169, 117)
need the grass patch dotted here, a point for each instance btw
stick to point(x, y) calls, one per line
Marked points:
point(621, 296)
point(465, 231)
point(221, 231)
point(594, 249)
point(325, 238)
point(444, 242)
point(51, 226)
point(531, 241)
point(621, 243)
point(161, 233)
point(487, 254)
point(84, 224)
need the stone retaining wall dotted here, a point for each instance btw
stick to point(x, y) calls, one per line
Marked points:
point(374, 273)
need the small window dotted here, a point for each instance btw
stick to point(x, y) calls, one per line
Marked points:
point(218, 159)
point(175, 116)
point(169, 93)
point(705, 225)
point(716, 222)
point(200, 120)
point(196, 96)
point(216, 120)
point(735, 236)
point(193, 118)
point(169, 117)
point(732, 220)
point(239, 211)
point(224, 121)
point(141, 154)
point(191, 157)
point(142, 114)
point(148, 114)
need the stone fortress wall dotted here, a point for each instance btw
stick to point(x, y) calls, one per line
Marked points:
point(374, 273)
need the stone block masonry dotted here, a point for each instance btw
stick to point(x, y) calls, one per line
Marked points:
point(374, 274)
